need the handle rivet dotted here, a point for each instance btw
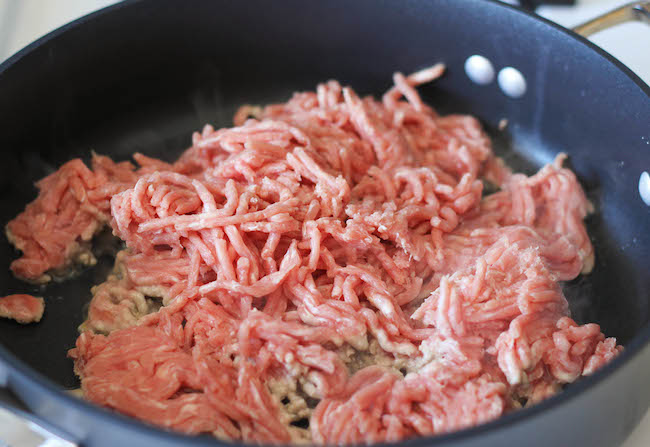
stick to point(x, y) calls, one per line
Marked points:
point(644, 187)
point(479, 69)
point(512, 82)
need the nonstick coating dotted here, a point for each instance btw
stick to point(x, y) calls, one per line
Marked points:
point(142, 75)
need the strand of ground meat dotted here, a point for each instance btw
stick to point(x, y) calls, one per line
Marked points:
point(327, 270)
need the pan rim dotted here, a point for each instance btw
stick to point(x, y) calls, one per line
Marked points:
point(44, 385)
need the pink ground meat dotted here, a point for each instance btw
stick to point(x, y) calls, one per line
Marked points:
point(22, 308)
point(329, 270)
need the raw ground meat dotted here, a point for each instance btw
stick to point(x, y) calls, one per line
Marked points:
point(22, 308)
point(329, 270)
point(54, 231)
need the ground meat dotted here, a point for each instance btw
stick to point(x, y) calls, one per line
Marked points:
point(329, 270)
point(22, 308)
point(72, 206)
point(356, 359)
point(119, 302)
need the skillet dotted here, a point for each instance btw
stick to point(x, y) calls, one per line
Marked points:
point(143, 74)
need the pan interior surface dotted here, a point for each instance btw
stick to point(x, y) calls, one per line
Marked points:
point(143, 76)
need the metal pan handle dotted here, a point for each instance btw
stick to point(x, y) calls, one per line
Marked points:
point(632, 12)
point(20, 427)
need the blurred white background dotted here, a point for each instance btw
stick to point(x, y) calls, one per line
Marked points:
point(23, 21)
